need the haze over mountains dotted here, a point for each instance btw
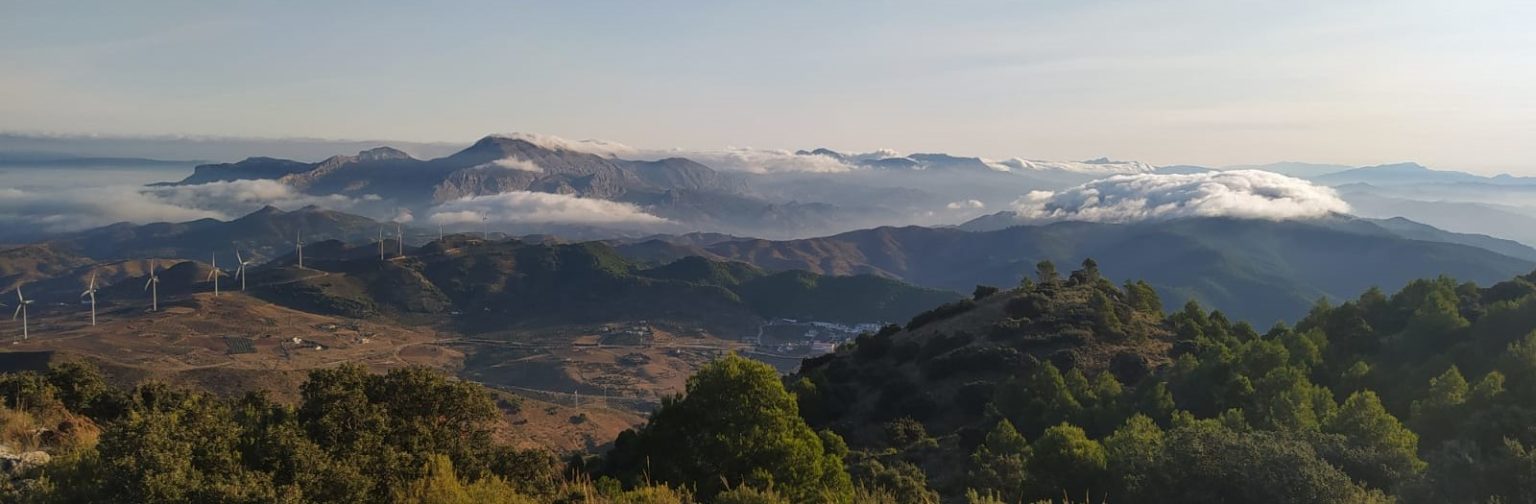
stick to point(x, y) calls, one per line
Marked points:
point(529, 183)
point(1257, 240)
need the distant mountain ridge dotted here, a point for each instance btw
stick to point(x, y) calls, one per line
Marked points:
point(509, 281)
point(941, 161)
point(675, 188)
point(1254, 270)
point(1414, 173)
point(265, 233)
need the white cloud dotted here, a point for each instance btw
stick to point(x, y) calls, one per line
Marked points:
point(1094, 167)
point(513, 164)
point(747, 159)
point(404, 216)
point(740, 159)
point(536, 207)
point(1249, 194)
point(966, 205)
point(73, 210)
point(239, 196)
point(598, 147)
point(63, 209)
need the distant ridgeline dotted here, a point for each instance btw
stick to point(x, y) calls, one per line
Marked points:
point(1258, 270)
point(496, 282)
point(1062, 386)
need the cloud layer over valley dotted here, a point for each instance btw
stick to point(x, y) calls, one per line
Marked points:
point(64, 209)
point(524, 207)
point(1248, 194)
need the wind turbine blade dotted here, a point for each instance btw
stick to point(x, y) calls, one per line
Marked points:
point(93, 279)
point(146, 284)
point(18, 312)
point(238, 258)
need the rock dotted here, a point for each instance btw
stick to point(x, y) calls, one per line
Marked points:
point(15, 464)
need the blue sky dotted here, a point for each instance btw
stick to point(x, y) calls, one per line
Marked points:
point(1451, 84)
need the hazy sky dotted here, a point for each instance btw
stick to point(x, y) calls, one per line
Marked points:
point(1447, 83)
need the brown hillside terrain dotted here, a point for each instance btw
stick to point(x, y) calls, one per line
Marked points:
point(233, 344)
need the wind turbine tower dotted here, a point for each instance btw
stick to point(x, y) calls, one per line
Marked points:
point(399, 240)
point(153, 286)
point(298, 241)
point(240, 271)
point(91, 292)
point(21, 309)
point(215, 274)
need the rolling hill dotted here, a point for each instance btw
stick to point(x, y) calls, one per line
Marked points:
point(1255, 270)
point(265, 233)
point(511, 282)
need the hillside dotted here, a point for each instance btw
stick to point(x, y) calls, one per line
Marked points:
point(500, 282)
point(1077, 386)
point(1254, 270)
point(29, 263)
point(268, 232)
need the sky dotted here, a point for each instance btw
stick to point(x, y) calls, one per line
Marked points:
point(1210, 82)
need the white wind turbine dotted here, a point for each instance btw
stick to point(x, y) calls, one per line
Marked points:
point(91, 292)
point(298, 241)
point(214, 275)
point(153, 286)
point(240, 272)
point(399, 240)
point(21, 309)
point(381, 243)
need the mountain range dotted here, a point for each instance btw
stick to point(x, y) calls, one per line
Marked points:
point(494, 284)
point(677, 189)
point(1255, 270)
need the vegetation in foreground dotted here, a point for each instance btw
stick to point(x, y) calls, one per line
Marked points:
point(1060, 388)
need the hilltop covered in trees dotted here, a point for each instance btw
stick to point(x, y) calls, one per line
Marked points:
point(1076, 386)
point(1062, 386)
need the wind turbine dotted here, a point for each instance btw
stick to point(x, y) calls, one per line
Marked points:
point(91, 292)
point(381, 243)
point(21, 309)
point(215, 274)
point(153, 286)
point(439, 232)
point(240, 272)
point(399, 240)
point(298, 241)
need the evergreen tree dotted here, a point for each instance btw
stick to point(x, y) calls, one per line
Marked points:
point(1065, 462)
point(1045, 272)
point(1365, 423)
point(736, 425)
point(1104, 316)
point(998, 464)
point(1133, 452)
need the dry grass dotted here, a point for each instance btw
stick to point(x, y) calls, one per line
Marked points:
point(49, 428)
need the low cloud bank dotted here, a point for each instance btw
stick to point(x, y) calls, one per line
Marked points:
point(524, 207)
point(56, 210)
point(966, 205)
point(739, 159)
point(1248, 194)
point(513, 164)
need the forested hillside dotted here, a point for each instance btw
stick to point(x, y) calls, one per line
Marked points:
point(1067, 386)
